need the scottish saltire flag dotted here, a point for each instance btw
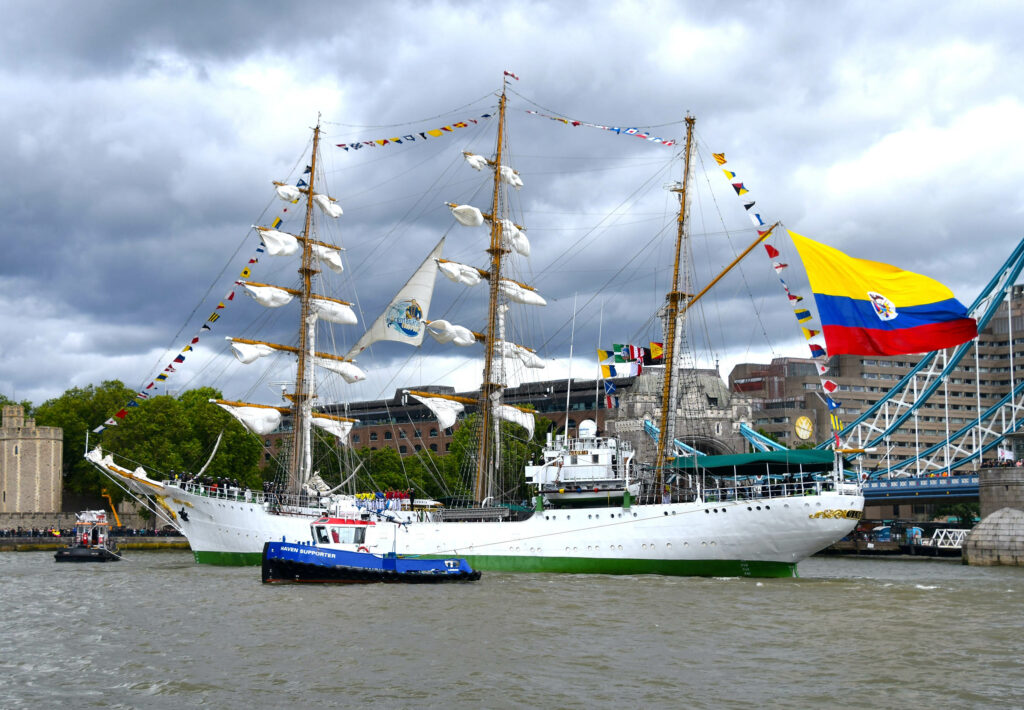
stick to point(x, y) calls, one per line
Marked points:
point(870, 308)
point(610, 400)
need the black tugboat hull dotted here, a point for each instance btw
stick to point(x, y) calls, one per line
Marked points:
point(85, 554)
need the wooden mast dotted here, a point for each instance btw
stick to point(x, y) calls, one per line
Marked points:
point(673, 299)
point(301, 395)
point(489, 388)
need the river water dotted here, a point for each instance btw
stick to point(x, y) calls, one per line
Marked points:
point(158, 631)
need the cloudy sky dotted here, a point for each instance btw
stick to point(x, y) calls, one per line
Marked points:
point(141, 139)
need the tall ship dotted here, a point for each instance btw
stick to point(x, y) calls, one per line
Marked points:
point(584, 505)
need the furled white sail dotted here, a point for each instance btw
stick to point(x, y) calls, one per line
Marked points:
point(467, 215)
point(330, 257)
point(517, 293)
point(512, 237)
point(459, 273)
point(278, 243)
point(268, 296)
point(339, 429)
point(258, 420)
point(288, 193)
point(447, 411)
point(350, 372)
point(509, 176)
point(477, 162)
point(333, 311)
point(247, 353)
point(516, 416)
point(444, 332)
point(525, 356)
point(328, 206)
point(403, 318)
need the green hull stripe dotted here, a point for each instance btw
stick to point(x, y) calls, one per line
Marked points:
point(229, 559)
point(678, 568)
point(571, 565)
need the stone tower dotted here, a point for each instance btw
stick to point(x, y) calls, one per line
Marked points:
point(30, 464)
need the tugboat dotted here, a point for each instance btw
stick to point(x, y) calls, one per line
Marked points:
point(91, 542)
point(339, 554)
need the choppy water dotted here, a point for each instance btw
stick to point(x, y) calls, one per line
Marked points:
point(157, 631)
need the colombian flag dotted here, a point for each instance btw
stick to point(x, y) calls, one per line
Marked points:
point(870, 308)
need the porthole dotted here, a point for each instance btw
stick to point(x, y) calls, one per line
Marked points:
point(706, 511)
point(768, 507)
point(759, 507)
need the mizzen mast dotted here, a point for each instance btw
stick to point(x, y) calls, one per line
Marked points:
point(670, 380)
point(490, 391)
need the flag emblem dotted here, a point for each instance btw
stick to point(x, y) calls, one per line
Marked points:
point(884, 308)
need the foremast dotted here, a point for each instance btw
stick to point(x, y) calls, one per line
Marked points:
point(302, 395)
point(673, 315)
point(490, 389)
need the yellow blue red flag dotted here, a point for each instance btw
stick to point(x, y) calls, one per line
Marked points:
point(870, 308)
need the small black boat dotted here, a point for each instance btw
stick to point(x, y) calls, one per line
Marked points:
point(91, 542)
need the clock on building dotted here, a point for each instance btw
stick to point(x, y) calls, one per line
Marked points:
point(804, 427)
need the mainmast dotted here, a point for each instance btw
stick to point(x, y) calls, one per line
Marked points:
point(669, 390)
point(303, 392)
point(490, 391)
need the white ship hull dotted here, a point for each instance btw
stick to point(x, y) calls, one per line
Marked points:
point(764, 537)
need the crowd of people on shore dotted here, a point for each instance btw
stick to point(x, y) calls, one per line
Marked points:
point(54, 532)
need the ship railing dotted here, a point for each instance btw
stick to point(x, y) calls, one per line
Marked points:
point(767, 490)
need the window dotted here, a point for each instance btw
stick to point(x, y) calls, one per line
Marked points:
point(387, 435)
point(373, 436)
point(355, 438)
point(417, 434)
point(321, 534)
point(403, 449)
point(433, 433)
point(418, 447)
point(433, 447)
point(401, 433)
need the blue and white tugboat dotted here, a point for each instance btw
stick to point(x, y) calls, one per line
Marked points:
point(91, 542)
point(338, 553)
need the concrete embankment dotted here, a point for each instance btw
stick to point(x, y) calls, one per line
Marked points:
point(31, 544)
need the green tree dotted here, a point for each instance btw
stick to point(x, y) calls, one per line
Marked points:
point(965, 512)
point(25, 404)
point(169, 436)
point(77, 412)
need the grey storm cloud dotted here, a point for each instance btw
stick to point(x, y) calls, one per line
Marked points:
point(141, 138)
